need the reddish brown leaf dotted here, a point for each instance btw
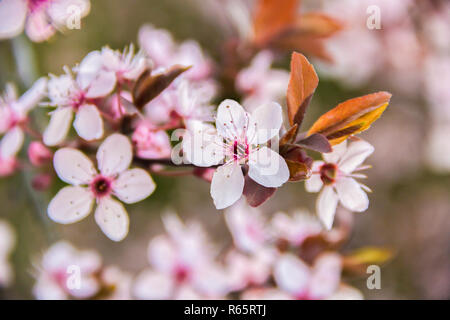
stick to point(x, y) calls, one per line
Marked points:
point(289, 136)
point(255, 193)
point(302, 84)
point(351, 117)
point(318, 25)
point(272, 17)
point(149, 86)
point(297, 170)
point(316, 142)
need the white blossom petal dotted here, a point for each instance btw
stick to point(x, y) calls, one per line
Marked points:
point(202, 146)
point(112, 218)
point(11, 143)
point(291, 274)
point(351, 195)
point(227, 185)
point(73, 166)
point(265, 123)
point(346, 292)
point(12, 17)
point(337, 153)
point(70, 204)
point(32, 97)
point(114, 155)
point(88, 122)
point(151, 285)
point(268, 168)
point(326, 206)
point(133, 185)
point(38, 26)
point(314, 183)
point(355, 155)
point(232, 120)
point(59, 126)
point(326, 276)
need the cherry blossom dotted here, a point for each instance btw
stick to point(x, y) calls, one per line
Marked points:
point(260, 83)
point(40, 18)
point(150, 143)
point(73, 203)
point(7, 243)
point(59, 268)
point(183, 265)
point(39, 154)
point(71, 95)
point(13, 117)
point(300, 281)
point(164, 52)
point(238, 140)
point(336, 177)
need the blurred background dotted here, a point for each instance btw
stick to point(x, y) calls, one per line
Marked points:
point(410, 204)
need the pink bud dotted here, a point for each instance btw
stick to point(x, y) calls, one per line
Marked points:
point(7, 166)
point(39, 154)
point(151, 144)
point(204, 173)
point(41, 182)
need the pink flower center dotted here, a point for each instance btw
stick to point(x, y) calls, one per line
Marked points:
point(101, 186)
point(181, 274)
point(240, 150)
point(328, 173)
point(34, 5)
point(78, 100)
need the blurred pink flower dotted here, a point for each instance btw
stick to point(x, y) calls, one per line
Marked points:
point(336, 178)
point(7, 243)
point(39, 154)
point(73, 203)
point(259, 83)
point(65, 272)
point(164, 52)
point(40, 18)
point(183, 265)
point(151, 144)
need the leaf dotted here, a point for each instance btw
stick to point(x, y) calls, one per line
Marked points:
point(297, 170)
point(298, 162)
point(289, 136)
point(255, 193)
point(316, 142)
point(303, 82)
point(318, 24)
point(351, 117)
point(358, 260)
point(272, 17)
point(149, 86)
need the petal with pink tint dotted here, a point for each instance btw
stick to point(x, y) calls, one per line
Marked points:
point(73, 166)
point(70, 204)
point(227, 185)
point(202, 146)
point(355, 155)
point(232, 120)
point(11, 143)
point(88, 122)
point(32, 97)
point(133, 185)
point(59, 126)
point(346, 292)
point(314, 183)
point(326, 276)
point(151, 285)
point(292, 275)
point(326, 206)
point(351, 195)
point(38, 27)
point(157, 43)
point(265, 123)
point(337, 153)
point(12, 17)
point(162, 254)
point(112, 218)
point(114, 155)
point(268, 168)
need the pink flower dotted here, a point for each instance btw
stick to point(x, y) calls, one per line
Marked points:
point(66, 272)
point(13, 115)
point(260, 83)
point(39, 154)
point(183, 265)
point(336, 178)
point(71, 95)
point(73, 203)
point(151, 144)
point(7, 243)
point(41, 18)
point(297, 228)
point(300, 281)
point(162, 49)
point(238, 140)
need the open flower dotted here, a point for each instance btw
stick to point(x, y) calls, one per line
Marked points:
point(40, 18)
point(238, 140)
point(7, 242)
point(184, 266)
point(73, 203)
point(66, 272)
point(13, 115)
point(336, 176)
